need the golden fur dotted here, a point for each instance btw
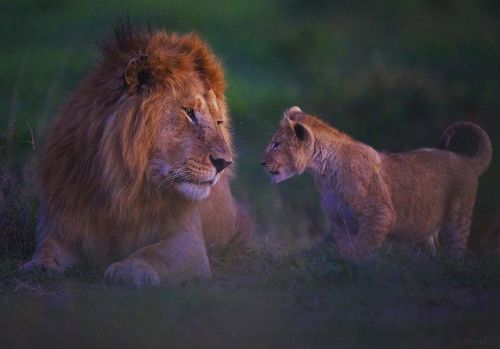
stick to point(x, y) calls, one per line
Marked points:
point(368, 195)
point(134, 165)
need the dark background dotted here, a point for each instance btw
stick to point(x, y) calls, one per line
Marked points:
point(393, 74)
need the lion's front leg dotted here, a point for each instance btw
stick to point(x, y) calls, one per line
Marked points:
point(50, 255)
point(179, 258)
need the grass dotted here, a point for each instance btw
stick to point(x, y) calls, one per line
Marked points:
point(265, 299)
point(17, 217)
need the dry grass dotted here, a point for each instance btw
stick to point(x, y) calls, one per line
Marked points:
point(266, 299)
point(17, 218)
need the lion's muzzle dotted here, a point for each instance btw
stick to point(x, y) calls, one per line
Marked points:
point(220, 163)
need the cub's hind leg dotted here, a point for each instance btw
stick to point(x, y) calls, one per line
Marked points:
point(456, 229)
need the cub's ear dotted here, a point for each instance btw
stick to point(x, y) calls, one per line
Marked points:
point(294, 113)
point(137, 74)
point(301, 132)
point(295, 109)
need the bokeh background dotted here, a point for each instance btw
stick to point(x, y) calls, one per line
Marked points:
point(393, 74)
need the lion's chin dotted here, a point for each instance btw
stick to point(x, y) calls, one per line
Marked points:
point(194, 191)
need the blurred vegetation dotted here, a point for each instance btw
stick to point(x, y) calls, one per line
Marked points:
point(393, 74)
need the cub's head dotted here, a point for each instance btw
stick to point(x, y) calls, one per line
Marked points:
point(291, 147)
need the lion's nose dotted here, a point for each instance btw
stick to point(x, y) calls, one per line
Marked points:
point(220, 163)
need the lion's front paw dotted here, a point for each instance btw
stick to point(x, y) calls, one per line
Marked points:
point(39, 265)
point(30, 266)
point(132, 273)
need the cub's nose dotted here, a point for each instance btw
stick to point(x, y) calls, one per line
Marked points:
point(263, 163)
point(220, 163)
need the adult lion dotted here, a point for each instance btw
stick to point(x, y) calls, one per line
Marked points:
point(134, 172)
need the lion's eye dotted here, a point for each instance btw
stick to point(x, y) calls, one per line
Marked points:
point(274, 145)
point(220, 122)
point(191, 114)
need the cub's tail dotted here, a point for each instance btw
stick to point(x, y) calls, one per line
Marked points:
point(479, 161)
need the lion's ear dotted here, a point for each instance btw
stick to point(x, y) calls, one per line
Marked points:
point(210, 95)
point(211, 99)
point(137, 74)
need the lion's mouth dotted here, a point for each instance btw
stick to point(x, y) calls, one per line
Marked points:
point(209, 183)
point(195, 191)
point(202, 183)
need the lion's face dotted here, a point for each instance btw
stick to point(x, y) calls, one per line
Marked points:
point(192, 148)
point(289, 151)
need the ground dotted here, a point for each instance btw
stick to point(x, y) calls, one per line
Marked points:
point(401, 298)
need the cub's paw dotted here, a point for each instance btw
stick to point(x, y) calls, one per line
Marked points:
point(353, 254)
point(132, 273)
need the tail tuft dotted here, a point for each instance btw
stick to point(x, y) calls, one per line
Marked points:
point(479, 161)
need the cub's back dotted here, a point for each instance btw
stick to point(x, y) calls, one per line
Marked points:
point(423, 183)
point(429, 164)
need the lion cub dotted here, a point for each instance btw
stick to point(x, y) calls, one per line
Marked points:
point(370, 195)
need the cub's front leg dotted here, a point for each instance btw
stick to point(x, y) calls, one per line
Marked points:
point(374, 220)
point(343, 235)
point(178, 258)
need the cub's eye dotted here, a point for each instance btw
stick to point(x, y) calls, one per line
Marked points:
point(220, 122)
point(191, 114)
point(274, 145)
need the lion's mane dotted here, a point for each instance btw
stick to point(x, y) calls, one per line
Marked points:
point(93, 173)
